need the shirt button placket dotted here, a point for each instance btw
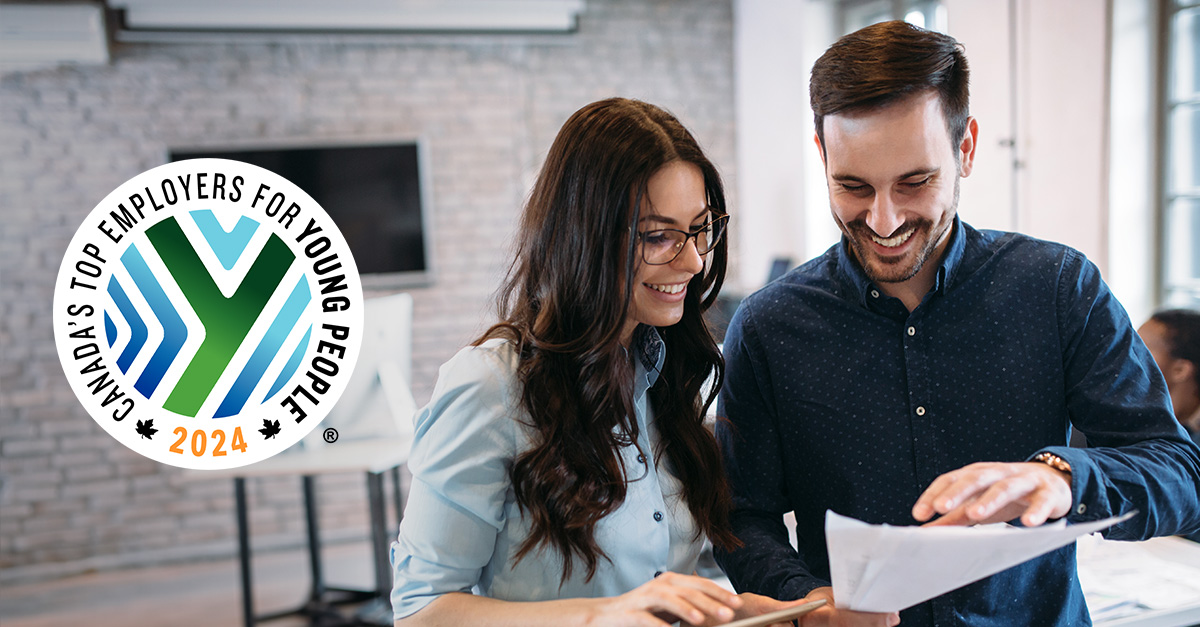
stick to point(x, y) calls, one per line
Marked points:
point(914, 359)
point(912, 331)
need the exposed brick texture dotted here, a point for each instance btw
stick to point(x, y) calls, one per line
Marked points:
point(487, 106)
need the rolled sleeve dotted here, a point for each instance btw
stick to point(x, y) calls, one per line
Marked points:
point(463, 449)
point(1139, 458)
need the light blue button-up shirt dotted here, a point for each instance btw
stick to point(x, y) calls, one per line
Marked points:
point(462, 524)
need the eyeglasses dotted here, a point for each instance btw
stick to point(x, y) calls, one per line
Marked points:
point(662, 246)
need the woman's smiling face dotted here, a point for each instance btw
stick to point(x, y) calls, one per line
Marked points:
point(675, 199)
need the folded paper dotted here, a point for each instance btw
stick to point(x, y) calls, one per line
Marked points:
point(881, 568)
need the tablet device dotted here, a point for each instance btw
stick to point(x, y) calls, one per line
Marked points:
point(775, 617)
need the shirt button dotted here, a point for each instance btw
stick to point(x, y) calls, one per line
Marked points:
point(920, 411)
point(874, 293)
point(658, 517)
point(641, 458)
point(912, 330)
point(1081, 509)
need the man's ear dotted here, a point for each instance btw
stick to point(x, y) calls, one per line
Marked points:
point(820, 148)
point(1178, 371)
point(966, 148)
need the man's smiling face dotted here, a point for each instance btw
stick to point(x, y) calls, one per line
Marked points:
point(893, 184)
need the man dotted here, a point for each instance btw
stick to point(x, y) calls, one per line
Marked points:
point(923, 370)
point(1173, 337)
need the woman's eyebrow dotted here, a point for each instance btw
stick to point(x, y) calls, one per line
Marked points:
point(656, 217)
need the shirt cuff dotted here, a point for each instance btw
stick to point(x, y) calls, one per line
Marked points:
point(1081, 471)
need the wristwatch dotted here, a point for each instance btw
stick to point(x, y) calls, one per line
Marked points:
point(1053, 461)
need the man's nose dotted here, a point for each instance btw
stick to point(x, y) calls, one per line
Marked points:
point(885, 216)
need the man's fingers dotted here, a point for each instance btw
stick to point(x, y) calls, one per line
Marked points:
point(1000, 495)
point(923, 509)
point(955, 517)
point(1042, 505)
point(952, 489)
point(985, 493)
point(926, 505)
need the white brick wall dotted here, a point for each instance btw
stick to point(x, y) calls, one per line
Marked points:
point(71, 497)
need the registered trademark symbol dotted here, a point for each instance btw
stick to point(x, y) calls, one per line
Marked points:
point(331, 435)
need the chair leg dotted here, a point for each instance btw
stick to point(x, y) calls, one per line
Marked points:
point(317, 593)
point(243, 526)
point(379, 535)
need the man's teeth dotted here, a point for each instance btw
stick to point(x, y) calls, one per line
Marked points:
point(893, 241)
point(668, 289)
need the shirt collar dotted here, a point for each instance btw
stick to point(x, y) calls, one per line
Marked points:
point(862, 286)
point(952, 260)
point(650, 351)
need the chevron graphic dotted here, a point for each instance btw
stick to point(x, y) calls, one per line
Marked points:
point(201, 316)
point(137, 328)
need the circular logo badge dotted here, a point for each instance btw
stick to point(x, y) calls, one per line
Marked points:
point(208, 314)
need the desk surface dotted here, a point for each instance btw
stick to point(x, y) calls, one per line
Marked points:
point(374, 455)
point(1158, 581)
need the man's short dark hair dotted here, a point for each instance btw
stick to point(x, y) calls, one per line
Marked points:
point(1183, 335)
point(887, 62)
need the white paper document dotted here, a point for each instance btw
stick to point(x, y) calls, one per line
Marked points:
point(881, 568)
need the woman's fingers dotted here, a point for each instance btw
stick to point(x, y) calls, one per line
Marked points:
point(705, 586)
point(706, 604)
point(692, 599)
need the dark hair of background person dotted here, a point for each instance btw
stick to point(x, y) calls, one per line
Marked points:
point(887, 62)
point(1183, 335)
point(565, 302)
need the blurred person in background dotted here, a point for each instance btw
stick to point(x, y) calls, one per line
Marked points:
point(1173, 337)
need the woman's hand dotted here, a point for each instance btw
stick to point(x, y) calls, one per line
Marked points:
point(830, 616)
point(666, 599)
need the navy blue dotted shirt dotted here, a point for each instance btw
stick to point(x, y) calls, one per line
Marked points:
point(837, 397)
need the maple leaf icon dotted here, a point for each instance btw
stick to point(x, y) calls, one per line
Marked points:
point(270, 429)
point(146, 429)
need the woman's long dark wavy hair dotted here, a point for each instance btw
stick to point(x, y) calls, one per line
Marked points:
point(565, 304)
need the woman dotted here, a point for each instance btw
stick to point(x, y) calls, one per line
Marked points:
point(563, 461)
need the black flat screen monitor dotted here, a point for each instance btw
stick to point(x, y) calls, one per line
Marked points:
point(373, 192)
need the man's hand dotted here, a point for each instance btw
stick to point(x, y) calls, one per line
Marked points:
point(830, 616)
point(996, 492)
